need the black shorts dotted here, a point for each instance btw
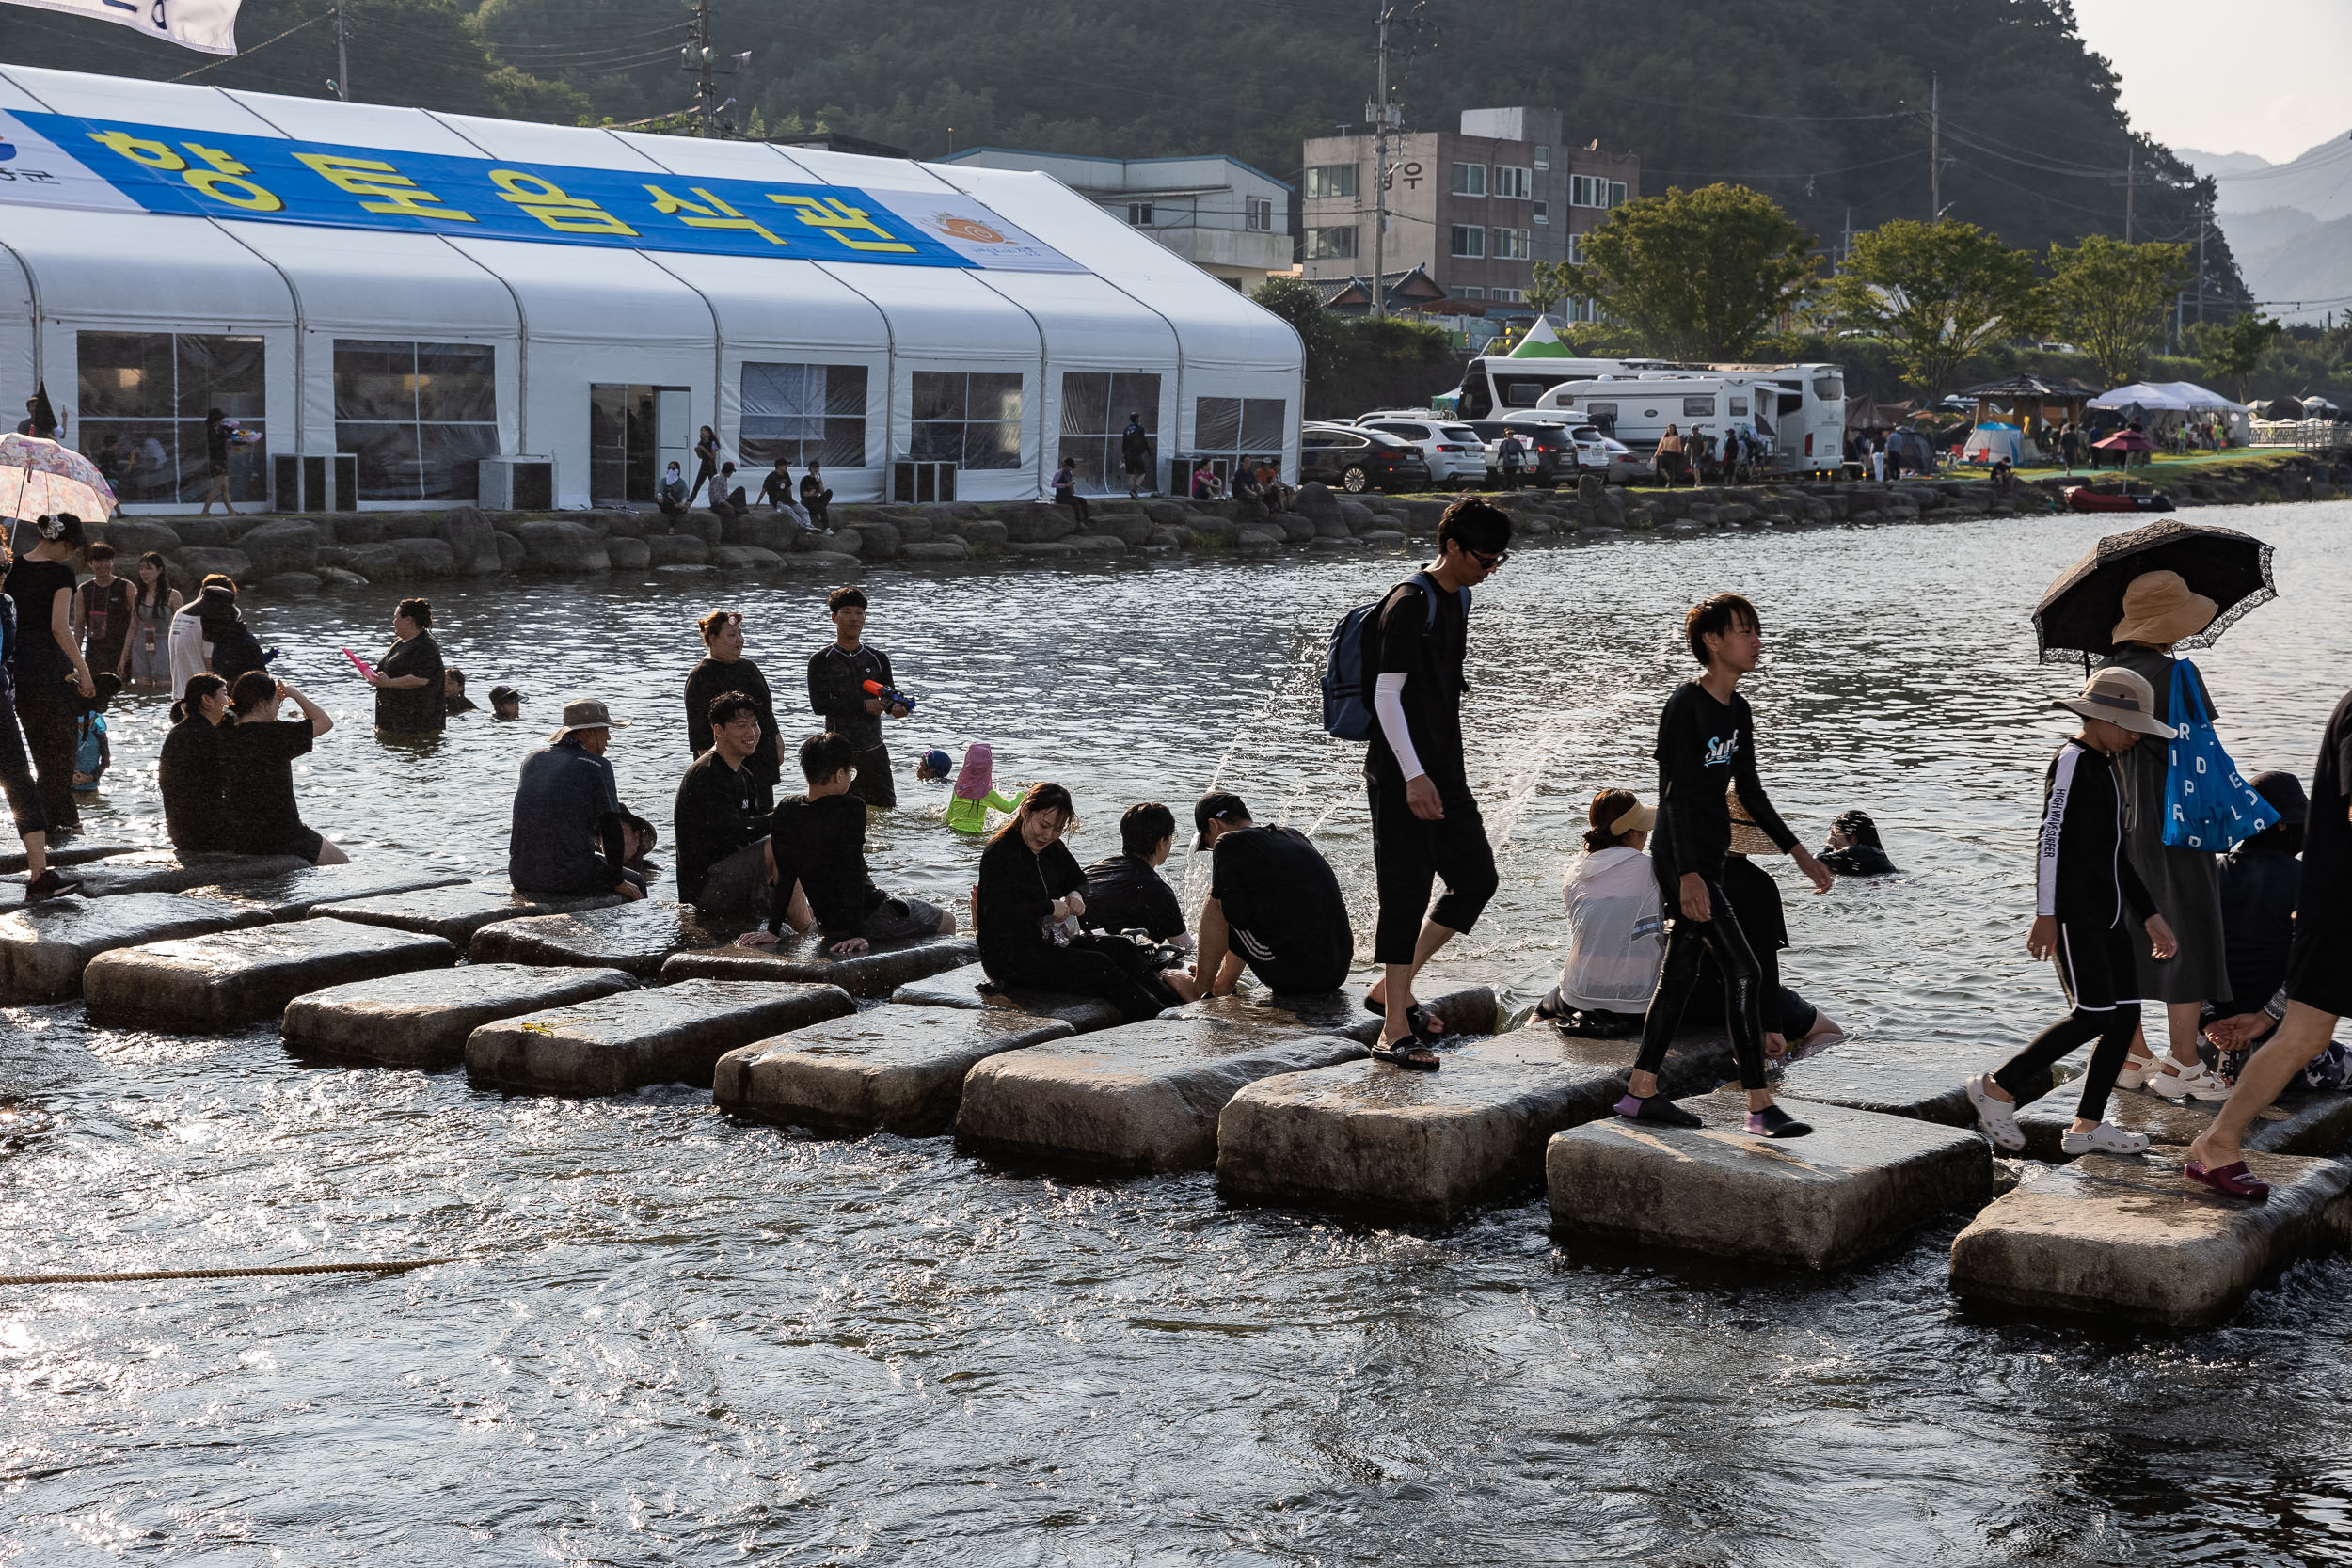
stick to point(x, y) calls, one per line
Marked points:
point(2319, 966)
point(1287, 976)
point(298, 841)
point(1139, 465)
point(2095, 965)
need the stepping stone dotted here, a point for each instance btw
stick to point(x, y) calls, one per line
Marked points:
point(1470, 1010)
point(421, 1020)
point(893, 1068)
point(673, 1034)
point(2133, 1238)
point(456, 912)
point(160, 871)
point(960, 987)
point(235, 978)
point(71, 854)
point(1379, 1138)
point(2317, 1124)
point(292, 894)
point(1861, 1182)
point(45, 946)
point(636, 936)
point(1924, 1091)
point(875, 973)
point(1141, 1097)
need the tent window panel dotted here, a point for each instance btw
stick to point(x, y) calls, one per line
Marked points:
point(374, 381)
point(126, 376)
point(1096, 459)
point(939, 394)
point(992, 446)
point(1263, 425)
point(457, 384)
point(144, 397)
point(387, 458)
point(219, 373)
point(418, 417)
point(970, 419)
point(803, 413)
point(1086, 401)
point(1217, 424)
point(1094, 409)
point(1135, 392)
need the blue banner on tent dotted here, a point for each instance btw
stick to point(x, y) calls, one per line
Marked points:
point(273, 180)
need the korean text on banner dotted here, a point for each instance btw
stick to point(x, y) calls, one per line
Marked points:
point(209, 26)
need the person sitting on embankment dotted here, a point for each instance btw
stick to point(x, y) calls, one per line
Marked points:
point(816, 851)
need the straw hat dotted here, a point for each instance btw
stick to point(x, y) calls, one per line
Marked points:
point(2121, 697)
point(1746, 837)
point(2159, 611)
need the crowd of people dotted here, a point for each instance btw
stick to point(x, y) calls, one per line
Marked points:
point(1671, 920)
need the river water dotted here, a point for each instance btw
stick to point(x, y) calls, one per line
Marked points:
point(688, 1341)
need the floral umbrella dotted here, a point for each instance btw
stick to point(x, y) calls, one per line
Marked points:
point(37, 476)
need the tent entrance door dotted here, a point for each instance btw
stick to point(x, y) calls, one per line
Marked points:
point(633, 433)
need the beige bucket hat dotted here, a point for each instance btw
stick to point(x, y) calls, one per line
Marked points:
point(2121, 697)
point(2158, 610)
point(583, 713)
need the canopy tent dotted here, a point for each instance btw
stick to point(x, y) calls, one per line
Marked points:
point(2150, 396)
point(477, 293)
point(1541, 342)
point(2167, 404)
point(2031, 404)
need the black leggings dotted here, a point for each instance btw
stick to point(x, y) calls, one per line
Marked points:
point(1094, 966)
point(1687, 941)
point(1077, 504)
point(16, 774)
point(48, 736)
point(2027, 1075)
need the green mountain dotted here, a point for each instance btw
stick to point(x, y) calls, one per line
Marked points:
point(1821, 104)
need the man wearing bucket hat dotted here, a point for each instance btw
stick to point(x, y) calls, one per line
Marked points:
point(566, 838)
point(2158, 611)
point(2084, 879)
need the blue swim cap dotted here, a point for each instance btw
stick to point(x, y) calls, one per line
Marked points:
point(937, 762)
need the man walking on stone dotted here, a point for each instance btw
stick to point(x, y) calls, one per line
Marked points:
point(1425, 821)
point(1135, 454)
point(836, 689)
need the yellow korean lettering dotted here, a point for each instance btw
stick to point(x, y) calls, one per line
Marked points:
point(695, 216)
point(549, 202)
point(834, 217)
point(393, 192)
point(153, 154)
point(223, 180)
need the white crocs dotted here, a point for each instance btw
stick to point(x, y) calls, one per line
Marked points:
point(2137, 1071)
point(2105, 1138)
point(1998, 1118)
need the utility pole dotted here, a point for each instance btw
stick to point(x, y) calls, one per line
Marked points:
point(2204, 217)
point(1936, 148)
point(343, 59)
point(703, 62)
point(2131, 181)
point(1845, 252)
point(1379, 112)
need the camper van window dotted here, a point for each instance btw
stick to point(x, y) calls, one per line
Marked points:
point(1698, 407)
point(1829, 389)
point(1603, 415)
point(1522, 393)
point(1739, 406)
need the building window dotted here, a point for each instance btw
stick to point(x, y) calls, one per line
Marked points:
point(1543, 155)
point(1225, 430)
point(1094, 409)
point(1139, 213)
point(1261, 212)
point(1469, 240)
point(1469, 180)
point(803, 413)
point(1586, 191)
point(1512, 182)
point(420, 416)
point(1542, 211)
point(1511, 244)
point(971, 420)
point(1616, 193)
point(1330, 180)
point(1331, 245)
point(1576, 249)
point(1461, 291)
point(1508, 296)
point(144, 396)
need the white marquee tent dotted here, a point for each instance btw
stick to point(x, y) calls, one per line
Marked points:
point(2178, 398)
point(423, 346)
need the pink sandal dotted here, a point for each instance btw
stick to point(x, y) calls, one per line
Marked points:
point(2232, 1179)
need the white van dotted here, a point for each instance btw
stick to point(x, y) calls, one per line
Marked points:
point(1798, 412)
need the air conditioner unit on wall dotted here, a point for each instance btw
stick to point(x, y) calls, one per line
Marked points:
point(516, 483)
point(913, 484)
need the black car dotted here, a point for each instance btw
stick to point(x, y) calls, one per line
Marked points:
point(1360, 460)
point(1551, 455)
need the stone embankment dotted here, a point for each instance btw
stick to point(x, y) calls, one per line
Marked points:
point(303, 555)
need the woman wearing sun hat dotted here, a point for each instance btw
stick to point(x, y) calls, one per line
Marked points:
point(1617, 941)
point(2158, 611)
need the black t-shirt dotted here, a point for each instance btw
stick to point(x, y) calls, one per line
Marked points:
point(1124, 893)
point(1704, 748)
point(256, 782)
point(2324, 904)
point(453, 707)
point(820, 844)
point(718, 809)
point(216, 445)
point(1280, 899)
point(188, 775)
point(1017, 892)
point(34, 585)
point(836, 689)
point(418, 710)
point(105, 621)
point(713, 679)
point(1405, 640)
point(2259, 883)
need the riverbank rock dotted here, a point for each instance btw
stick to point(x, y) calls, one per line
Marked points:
point(455, 912)
point(635, 937)
point(160, 871)
point(1858, 1184)
point(422, 1019)
point(404, 561)
point(203, 984)
point(1141, 1097)
point(875, 973)
point(282, 544)
point(969, 986)
point(44, 947)
point(561, 549)
point(2132, 1238)
point(892, 1069)
point(72, 854)
point(672, 1035)
point(1467, 1010)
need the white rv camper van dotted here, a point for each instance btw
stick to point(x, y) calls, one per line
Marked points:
point(1797, 411)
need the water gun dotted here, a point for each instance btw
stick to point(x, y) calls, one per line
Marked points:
point(890, 697)
point(366, 671)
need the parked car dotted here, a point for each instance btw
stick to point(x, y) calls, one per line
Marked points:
point(1626, 466)
point(1454, 452)
point(1359, 460)
point(1556, 452)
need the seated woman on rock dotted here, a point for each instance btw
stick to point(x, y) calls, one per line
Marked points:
point(189, 769)
point(1028, 903)
point(1616, 939)
point(1853, 849)
point(256, 771)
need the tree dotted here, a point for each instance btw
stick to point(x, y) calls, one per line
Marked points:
point(2230, 350)
point(1295, 301)
point(1549, 287)
point(1700, 275)
point(2109, 298)
point(1935, 293)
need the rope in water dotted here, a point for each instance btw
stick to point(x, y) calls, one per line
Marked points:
point(394, 1265)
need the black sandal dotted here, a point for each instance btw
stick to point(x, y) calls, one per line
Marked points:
point(1416, 1019)
point(1413, 1055)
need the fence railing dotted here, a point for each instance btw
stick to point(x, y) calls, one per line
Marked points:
point(2300, 432)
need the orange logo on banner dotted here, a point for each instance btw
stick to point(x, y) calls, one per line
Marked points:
point(966, 229)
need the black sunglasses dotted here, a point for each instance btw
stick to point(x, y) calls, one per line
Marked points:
point(1488, 562)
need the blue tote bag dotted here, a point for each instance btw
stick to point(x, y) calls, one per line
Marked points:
point(2207, 804)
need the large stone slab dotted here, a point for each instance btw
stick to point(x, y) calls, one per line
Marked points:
point(1859, 1184)
point(1468, 1010)
point(2133, 1238)
point(44, 947)
point(422, 1019)
point(160, 871)
point(875, 973)
point(672, 1035)
point(456, 912)
point(892, 1069)
point(962, 987)
point(235, 978)
point(1141, 1097)
point(290, 894)
point(638, 936)
point(1383, 1139)
point(70, 854)
point(2315, 1124)
point(1923, 1090)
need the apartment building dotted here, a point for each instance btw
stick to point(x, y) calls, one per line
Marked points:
point(1220, 215)
point(1475, 209)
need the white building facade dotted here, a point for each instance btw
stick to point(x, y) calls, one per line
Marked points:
point(1223, 216)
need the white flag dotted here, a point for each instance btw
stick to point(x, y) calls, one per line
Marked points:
point(209, 25)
